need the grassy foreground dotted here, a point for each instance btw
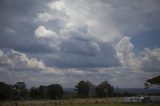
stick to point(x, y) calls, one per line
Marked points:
point(114, 105)
point(74, 102)
point(78, 104)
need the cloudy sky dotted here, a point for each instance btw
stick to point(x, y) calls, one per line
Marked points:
point(65, 41)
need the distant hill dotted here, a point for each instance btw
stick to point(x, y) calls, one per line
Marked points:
point(138, 90)
point(122, 90)
point(69, 90)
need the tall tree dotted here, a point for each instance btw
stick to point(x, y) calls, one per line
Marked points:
point(21, 90)
point(104, 89)
point(43, 92)
point(55, 91)
point(83, 88)
point(34, 93)
point(6, 91)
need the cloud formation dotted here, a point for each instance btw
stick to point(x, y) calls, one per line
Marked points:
point(66, 41)
point(42, 32)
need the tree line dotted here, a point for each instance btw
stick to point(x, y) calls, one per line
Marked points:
point(83, 89)
point(19, 91)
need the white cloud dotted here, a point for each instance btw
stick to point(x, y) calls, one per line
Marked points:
point(45, 17)
point(70, 76)
point(107, 21)
point(125, 52)
point(147, 60)
point(4, 60)
point(53, 70)
point(106, 26)
point(150, 60)
point(19, 61)
point(58, 5)
point(137, 67)
point(42, 32)
point(74, 71)
point(99, 24)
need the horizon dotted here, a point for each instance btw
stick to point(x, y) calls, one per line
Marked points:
point(60, 41)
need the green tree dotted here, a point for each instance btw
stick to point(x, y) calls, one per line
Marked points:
point(6, 91)
point(55, 91)
point(104, 89)
point(43, 92)
point(155, 81)
point(21, 91)
point(34, 93)
point(83, 88)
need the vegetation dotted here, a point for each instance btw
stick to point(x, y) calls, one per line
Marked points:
point(37, 103)
point(155, 81)
point(86, 88)
point(111, 105)
point(104, 90)
point(6, 91)
point(83, 88)
point(55, 91)
point(20, 92)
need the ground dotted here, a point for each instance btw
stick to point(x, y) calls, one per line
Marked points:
point(52, 104)
point(114, 105)
point(74, 102)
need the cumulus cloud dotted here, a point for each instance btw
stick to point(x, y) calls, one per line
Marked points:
point(19, 61)
point(58, 5)
point(147, 60)
point(89, 38)
point(105, 26)
point(19, 65)
point(99, 27)
point(125, 51)
point(4, 61)
point(45, 17)
point(150, 59)
point(73, 40)
point(16, 60)
point(42, 32)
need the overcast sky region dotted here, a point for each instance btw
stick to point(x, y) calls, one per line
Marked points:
point(65, 41)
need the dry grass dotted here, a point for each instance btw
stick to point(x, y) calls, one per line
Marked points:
point(73, 102)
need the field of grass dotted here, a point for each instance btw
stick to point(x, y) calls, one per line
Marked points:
point(114, 105)
point(80, 104)
point(74, 102)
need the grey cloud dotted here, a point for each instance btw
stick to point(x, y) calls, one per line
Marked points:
point(84, 53)
point(140, 15)
point(80, 46)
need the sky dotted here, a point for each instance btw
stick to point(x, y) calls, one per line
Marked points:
point(65, 41)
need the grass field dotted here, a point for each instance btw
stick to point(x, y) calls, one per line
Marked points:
point(73, 102)
point(114, 105)
point(83, 105)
